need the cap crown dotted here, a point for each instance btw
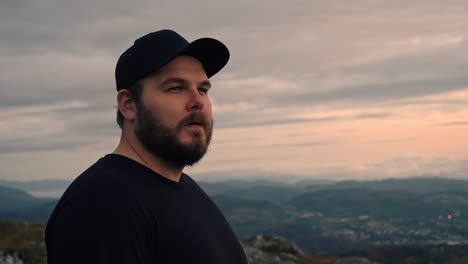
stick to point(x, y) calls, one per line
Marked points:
point(154, 50)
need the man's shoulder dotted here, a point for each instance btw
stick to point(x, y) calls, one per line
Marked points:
point(99, 176)
point(118, 176)
point(107, 182)
point(111, 176)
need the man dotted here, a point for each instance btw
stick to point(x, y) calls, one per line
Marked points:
point(136, 205)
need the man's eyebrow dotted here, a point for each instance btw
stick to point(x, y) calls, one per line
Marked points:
point(174, 80)
point(183, 81)
point(206, 83)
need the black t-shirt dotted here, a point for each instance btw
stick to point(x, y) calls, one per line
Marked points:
point(119, 211)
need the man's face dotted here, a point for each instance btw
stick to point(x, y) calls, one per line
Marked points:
point(174, 119)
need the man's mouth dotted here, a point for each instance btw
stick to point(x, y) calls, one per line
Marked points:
point(194, 124)
point(195, 121)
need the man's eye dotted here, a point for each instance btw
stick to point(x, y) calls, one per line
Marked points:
point(174, 89)
point(203, 90)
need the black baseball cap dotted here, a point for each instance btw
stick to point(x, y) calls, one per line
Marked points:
point(156, 49)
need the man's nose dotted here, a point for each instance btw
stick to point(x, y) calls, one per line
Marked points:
point(195, 102)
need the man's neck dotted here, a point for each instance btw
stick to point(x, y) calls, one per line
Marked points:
point(130, 147)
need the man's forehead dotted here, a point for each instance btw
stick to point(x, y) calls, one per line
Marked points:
point(177, 80)
point(181, 67)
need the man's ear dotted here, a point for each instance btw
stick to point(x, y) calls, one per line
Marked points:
point(126, 105)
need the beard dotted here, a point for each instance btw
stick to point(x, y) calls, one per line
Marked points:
point(163, 142)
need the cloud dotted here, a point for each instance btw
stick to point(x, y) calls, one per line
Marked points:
point(51, 127)
point(454, 124)
point(315, 65)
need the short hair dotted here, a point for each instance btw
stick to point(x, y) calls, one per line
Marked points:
point(135, 92)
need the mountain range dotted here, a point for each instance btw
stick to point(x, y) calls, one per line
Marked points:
point(326, 217)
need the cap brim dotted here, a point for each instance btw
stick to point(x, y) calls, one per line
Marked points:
point(212, 53)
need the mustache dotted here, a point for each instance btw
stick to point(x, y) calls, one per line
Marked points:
point(195, 117)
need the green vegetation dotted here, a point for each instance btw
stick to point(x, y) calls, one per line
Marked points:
point(24, 238)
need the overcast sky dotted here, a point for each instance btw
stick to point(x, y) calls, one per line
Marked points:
point(366, 89)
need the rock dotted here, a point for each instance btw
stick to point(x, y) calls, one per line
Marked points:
point(10, 259)
point(267, 249)
point(355, 260)
point(276, 244)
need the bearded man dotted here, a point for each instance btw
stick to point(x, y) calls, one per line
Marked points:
point(136, 205)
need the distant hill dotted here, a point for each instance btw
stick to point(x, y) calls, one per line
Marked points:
point(17, 204)
point(39, 188)
point(249, 217)
point(257, 190)
point(273, 191)
point(413, 185)
point(381, 204)
point(276, 193)
point(11, 199)
point(37, 185)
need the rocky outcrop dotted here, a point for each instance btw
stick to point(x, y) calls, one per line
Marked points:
point(355, 260)
point(10, 258)
point(267, 249)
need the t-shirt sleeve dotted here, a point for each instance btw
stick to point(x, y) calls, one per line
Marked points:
point(99, 230)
